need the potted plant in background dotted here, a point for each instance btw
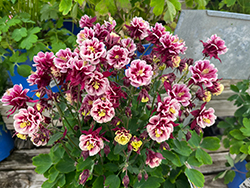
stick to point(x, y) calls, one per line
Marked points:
point(6, 140)
point(237, 132)
point(27, 27)
point(122, 119)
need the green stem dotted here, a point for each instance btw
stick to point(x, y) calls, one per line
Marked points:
point(67, 151)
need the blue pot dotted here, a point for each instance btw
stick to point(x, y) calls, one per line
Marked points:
point(6, 142)
point(239, 177)
point(147, 47)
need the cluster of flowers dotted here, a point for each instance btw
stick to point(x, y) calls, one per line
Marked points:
point(99, 79)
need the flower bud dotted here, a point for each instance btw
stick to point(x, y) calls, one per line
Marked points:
point(188, 135)
point(140, 48)
point(125, 181)
point(83, 177)
point(139, 177)
point(128, 112)
point(85, 154)
point(106, 150)
point(146, 176)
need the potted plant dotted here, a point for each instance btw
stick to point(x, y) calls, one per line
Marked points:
point(236, 132)
point(6, 141)
point(27, 27)
point(119, 119)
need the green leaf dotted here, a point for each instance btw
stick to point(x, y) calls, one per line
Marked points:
point(170, 13)
point(237, 134)
point(220, 175)
point(48, 184)
point(118, 148)
point(211, 143)
point(235, 146)
point(230, 2)
point(18, 59)
point(53, 173)
point(223, 124)
point(201, 4)
point(111, 167)
point(182, 148)
point(158, 6)
point(233, 97)
point(244, 149)
point(57, 46)
point(151, 182)
point(230, 160)
point(203, 156)
point(102, 8)
point(248, 166)
point(189, 3)
point(172, 157)
point(168, 184)
point(48, 12)
point(229, 176)
point(176, 4)
point(24, 70)
point(74, 11)
point(61, 180)
point(18, 34)
point(65, 6)
point(84, 164)
point(234, 88)
point(65, 165)
point(226, 143)
point(113, 181)
point(55, 137)
point(13, 22)
point(195, 177)
point(246, 129)
point(42, 162)
point(31, 38)
point(195, 140)
point(98, 183)
point(57, 153)
point(241, 111)
point(193, 161)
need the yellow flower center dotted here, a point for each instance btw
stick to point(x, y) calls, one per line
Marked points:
point(220, 89)
point(158, 133)
point(85, 114)
point(82, 35)
point(38, 94)
point(206, 120)
point(95, 85)
point(162, 67)
point(92, 49)
point(205, 71)
point(22, 136)
point(39, 106)
point(176, 61)
point(117, 57)
point(172, 110)
point(89, 145)
point(140, 72)
point(180, 94)
point(63, 58)
point(144, 99)
point(102, 113)
point(24, 124)
point(207, 96)
point(136, 145)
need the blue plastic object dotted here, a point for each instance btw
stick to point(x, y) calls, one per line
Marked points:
point(6, 142)
point(239, 177)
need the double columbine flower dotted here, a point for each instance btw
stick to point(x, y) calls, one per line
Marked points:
point(99, 82)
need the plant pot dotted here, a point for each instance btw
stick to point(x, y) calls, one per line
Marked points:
point(239, 177)
point(6, 142)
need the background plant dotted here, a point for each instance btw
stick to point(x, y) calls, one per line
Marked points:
point(236, 131)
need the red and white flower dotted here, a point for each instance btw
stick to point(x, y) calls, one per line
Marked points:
point(92, 51)
point(102, 111)
point(160, 128)
point(118, 57)
point(203, 73)
point(214, 46)
point(129, 44)
point(168, 108)
point(153, 159)
point(138, 28)
point(181, 93)
point(86, 33)
point(139, 73)
point(96, 84)
point(27, 121)
point(91, 142)
point(62, 59)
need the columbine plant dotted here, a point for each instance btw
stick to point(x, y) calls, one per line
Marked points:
point(119, 117)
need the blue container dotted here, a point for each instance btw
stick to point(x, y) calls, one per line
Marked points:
point(239, 177)
point(69, 25)
point(147, 47)
point(6, 142)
